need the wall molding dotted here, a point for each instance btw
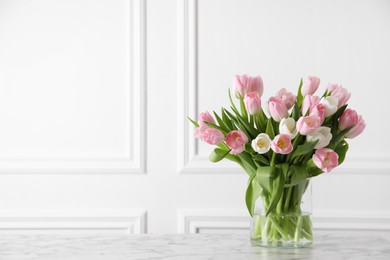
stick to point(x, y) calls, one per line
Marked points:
point(73, 221)
point(190, 221)
point(190, 161)
point(136, 161)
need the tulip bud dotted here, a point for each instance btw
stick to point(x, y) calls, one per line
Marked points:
point(310, 85)
point(277, 108)
point(243, 84)
point(357, 129)
point(348, 118)
point(287, 97)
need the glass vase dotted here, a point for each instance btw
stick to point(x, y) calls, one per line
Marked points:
point(289, 224)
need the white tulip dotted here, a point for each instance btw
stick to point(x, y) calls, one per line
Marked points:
point(261, 144)
point(330, 104)
point(322, 134)
point(288, 126)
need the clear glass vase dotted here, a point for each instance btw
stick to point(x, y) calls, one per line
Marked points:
point(289, 224)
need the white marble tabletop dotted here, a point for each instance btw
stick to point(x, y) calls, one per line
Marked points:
point(330, 245)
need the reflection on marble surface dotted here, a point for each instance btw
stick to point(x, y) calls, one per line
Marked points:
point(327, 245)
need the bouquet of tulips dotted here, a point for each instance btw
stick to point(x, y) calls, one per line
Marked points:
point(303, 137)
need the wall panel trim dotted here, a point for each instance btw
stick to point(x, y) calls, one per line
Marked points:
point(192, 220)
point(73, 221)
point(136, 162)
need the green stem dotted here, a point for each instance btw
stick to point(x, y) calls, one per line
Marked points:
point(295, 144)
point(273, 159)
point(257, 227)
point(298, 229)
point(287, 201)
point(278, 228)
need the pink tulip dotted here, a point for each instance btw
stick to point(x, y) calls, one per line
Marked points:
point(307, 124)
point(287, 97)
point(202, 118)
point(277, 108)
point(243, 84)
point(282, 144)
point(309, 102)
point(236, 140)
point(310, 85)
point(252, 102)
point(212, 136)
point(357, 129)
point(342, 94)
point(349, 118)
point(326, 159)
point(320, 111)
point(205, 117)
point(198, 133)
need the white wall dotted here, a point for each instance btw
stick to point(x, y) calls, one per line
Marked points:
point(94, 97)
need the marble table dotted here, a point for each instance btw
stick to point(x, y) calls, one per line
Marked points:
point(330, 245)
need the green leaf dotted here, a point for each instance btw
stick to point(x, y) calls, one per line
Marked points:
point(238, 123)
point(299, 95)
point(193, 122)
point(227, 121)
point(296, 113)
point(262, 121)
point(261, 159)
point(248, 148)
point(277, 189)
point(252, 193)
point(270, 129)
point(244, 113)
point(221, 123)
point(335, 119)
point(297, 175)
point(218, 154)
point(341, 150)
point(263, 176)
point(304, 149)
point(250, 129)
point(248, 162)
point(231, 100)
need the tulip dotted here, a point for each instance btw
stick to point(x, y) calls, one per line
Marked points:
point(261, 144)
point(322, 135)
point(252, 103)
point(310, 85)
point(236, 140)
point(277, 108)
point(307, 124)
point(341, 94)
point(309, 102)
point(202, 118)
point(325, 159)
point(287, 97)
point(213, 136)
point(205, 117)
point(319, 111)
point(288, 126)
point(330, 104)
point(357, 129)
point(243, 84)
point(282, 144)
point(349, 118)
